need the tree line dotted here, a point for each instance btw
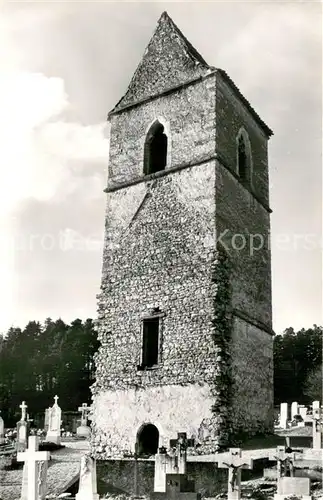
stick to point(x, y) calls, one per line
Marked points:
point(42, 360)
point(298, 365)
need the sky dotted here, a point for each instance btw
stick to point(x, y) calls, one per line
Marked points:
point(63, 67)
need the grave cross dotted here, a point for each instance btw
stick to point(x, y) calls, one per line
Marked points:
point(181, 443)
point(23, 407)
point(234, 466)
point(56, 398)
point(284, 463)
point(84, 409)
point(135, 456)
point(31, 457)
point(180, 446)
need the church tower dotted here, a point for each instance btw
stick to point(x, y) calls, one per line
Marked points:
point(184, 312)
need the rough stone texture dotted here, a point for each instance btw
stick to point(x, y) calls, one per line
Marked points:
point(139, 407)
point(252, 368)
point(190, 130)
point(214, 376)
point(168, 49)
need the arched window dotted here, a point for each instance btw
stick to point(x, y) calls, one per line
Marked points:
point(244, 158)
point(147, 440)
point(155, 156)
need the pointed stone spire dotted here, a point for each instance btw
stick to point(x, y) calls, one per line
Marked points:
point(168, 61)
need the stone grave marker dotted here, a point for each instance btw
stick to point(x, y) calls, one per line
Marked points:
point(1, 430)
point(46, 421)
point(287, 484)
point(294, 486)
point(285, 464)
point(178, 487)
point(54, 423)
point(294, 410)
point(317, 428)
point(303, 412)
point(283, 415)
point(316, 405)
point(22, 429)
point(233, 462)
point(285, 457)
point(84, 430)
point(173, 462)
point(34, 472)
point(87, 484)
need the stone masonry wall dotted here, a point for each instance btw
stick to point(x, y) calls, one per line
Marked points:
point(242, 219)
point(231, 115)
point(162, 258)
point(120, 414)
point(241, 223)
point(188, 116)
point(160, 251)
point(252, 369)
point(118, 475)
point(243, 228)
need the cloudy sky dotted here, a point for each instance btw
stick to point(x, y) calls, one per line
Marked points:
point(64, 65)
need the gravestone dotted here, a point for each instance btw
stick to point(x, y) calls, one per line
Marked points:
point(34, 472)
point(233, 462)
point(303, 412)
point(178, 487)
point(87, 483)
point(283, 415)
point(46, 421)
point(54, 423)
point(293, 486)
point(84, 430)
point(1, 430)
point(294, 410)
point(173, 462)
point(316, 405)
point(317, 428)
point(22, 429)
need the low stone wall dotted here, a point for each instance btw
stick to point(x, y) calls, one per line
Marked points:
point(117, 476)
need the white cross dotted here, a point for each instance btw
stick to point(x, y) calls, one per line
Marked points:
point(56, 398)
point(233, 462)
point(31, 456)
point(84, 409)
point(23, 407)
point(316, 415)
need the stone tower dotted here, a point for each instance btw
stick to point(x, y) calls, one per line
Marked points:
point(184, 313)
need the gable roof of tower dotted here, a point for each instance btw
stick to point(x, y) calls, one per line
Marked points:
point(171, 61)
point(168, 61)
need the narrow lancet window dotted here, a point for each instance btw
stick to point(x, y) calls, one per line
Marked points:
point(155, 156)
point(242, 159)
point(150, 342)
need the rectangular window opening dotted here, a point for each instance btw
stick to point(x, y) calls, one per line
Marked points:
point(150, 342)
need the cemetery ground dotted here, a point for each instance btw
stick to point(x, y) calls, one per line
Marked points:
point(284, 465)
point(64, 468)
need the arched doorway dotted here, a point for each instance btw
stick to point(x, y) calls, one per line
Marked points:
point(147, 440)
